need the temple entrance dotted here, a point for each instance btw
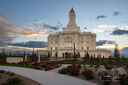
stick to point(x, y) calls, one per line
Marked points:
point(67, 55)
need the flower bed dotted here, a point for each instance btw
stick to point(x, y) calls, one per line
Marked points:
point(88, 74)
point(74, 70)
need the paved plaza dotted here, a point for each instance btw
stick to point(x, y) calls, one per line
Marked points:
point(46, 77)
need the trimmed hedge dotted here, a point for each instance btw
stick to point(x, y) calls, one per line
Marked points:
point(63, 71)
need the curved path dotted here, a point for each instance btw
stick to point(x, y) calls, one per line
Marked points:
point(46, 77)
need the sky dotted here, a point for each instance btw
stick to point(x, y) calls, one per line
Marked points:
point(30, 21)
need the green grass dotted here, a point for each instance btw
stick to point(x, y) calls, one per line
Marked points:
point(19, 65)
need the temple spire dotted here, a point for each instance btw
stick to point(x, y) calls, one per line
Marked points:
point(72, 17)
point(72, 11)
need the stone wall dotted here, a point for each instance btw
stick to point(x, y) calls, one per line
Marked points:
point(14, 59)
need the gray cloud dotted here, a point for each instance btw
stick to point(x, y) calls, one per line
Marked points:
point(6, 30)
point(101, 17)
point(43, 25)
point(116, 13)
point(102, 42)
point(85, 28)
point(30, 44)
point(119, 32)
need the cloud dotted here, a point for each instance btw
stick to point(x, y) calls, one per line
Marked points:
point(43, 25)
point(116, 13)
point(9, 30)
point(85, 28)
point(31, 32)
point(30, 44)
point(103, 28)
point(6, 30)
point(120, 31)
point(102, 42)
point(101, 17)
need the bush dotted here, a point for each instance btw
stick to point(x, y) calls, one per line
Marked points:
point(124, 80)
point(2, 71)
point(63, 71)
point(88, 74)
point(108, 66)
point(73, 70)
point(97, 65)
point(79, 66)
point(14, 81)
point(10, 73)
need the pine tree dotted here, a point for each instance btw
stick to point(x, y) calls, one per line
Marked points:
point(117, 55)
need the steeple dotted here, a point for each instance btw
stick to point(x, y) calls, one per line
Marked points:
point(72, 17)
point(72, 27)
point(72, 11)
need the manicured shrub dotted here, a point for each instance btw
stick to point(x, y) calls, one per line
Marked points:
point(10, 73)
point(2, 71)
point(14, 81)
point(88, 74)
point(63, 71)
point(73, 70)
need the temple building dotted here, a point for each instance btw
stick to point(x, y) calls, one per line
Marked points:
point(71, 40)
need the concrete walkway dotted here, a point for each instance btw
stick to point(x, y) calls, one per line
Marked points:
point(46, 77)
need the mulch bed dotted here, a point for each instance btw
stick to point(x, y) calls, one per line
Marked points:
point(26, 81)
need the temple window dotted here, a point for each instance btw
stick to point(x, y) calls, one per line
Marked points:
point(68, 39)
point(56, 40)
point(82, 40)
point(87, 48)
point(82, 48)
point(51, 41)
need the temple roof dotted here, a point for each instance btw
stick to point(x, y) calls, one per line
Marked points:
point(72, 11)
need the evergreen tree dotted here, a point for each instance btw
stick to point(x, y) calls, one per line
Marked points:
point(78, 54)
point(87, 55)
point(117, 55)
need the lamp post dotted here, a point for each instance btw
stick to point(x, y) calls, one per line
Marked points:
point(74, 54)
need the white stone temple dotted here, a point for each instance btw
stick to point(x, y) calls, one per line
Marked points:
point(63, 43)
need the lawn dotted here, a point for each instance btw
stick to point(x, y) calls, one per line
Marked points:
point(19, 65)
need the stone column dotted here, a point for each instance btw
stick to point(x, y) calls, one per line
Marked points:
point(39, 58)
point(26, 58)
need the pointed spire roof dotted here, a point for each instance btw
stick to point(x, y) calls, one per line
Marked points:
point(72, 11)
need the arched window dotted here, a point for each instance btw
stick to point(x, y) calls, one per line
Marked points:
point(87, 48)
point(68, 39)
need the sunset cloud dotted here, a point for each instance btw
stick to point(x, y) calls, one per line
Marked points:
point(120, 31)
point(8, 31)
point(103, 28)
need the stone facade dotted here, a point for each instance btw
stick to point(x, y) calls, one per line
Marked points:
point(63, 43)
